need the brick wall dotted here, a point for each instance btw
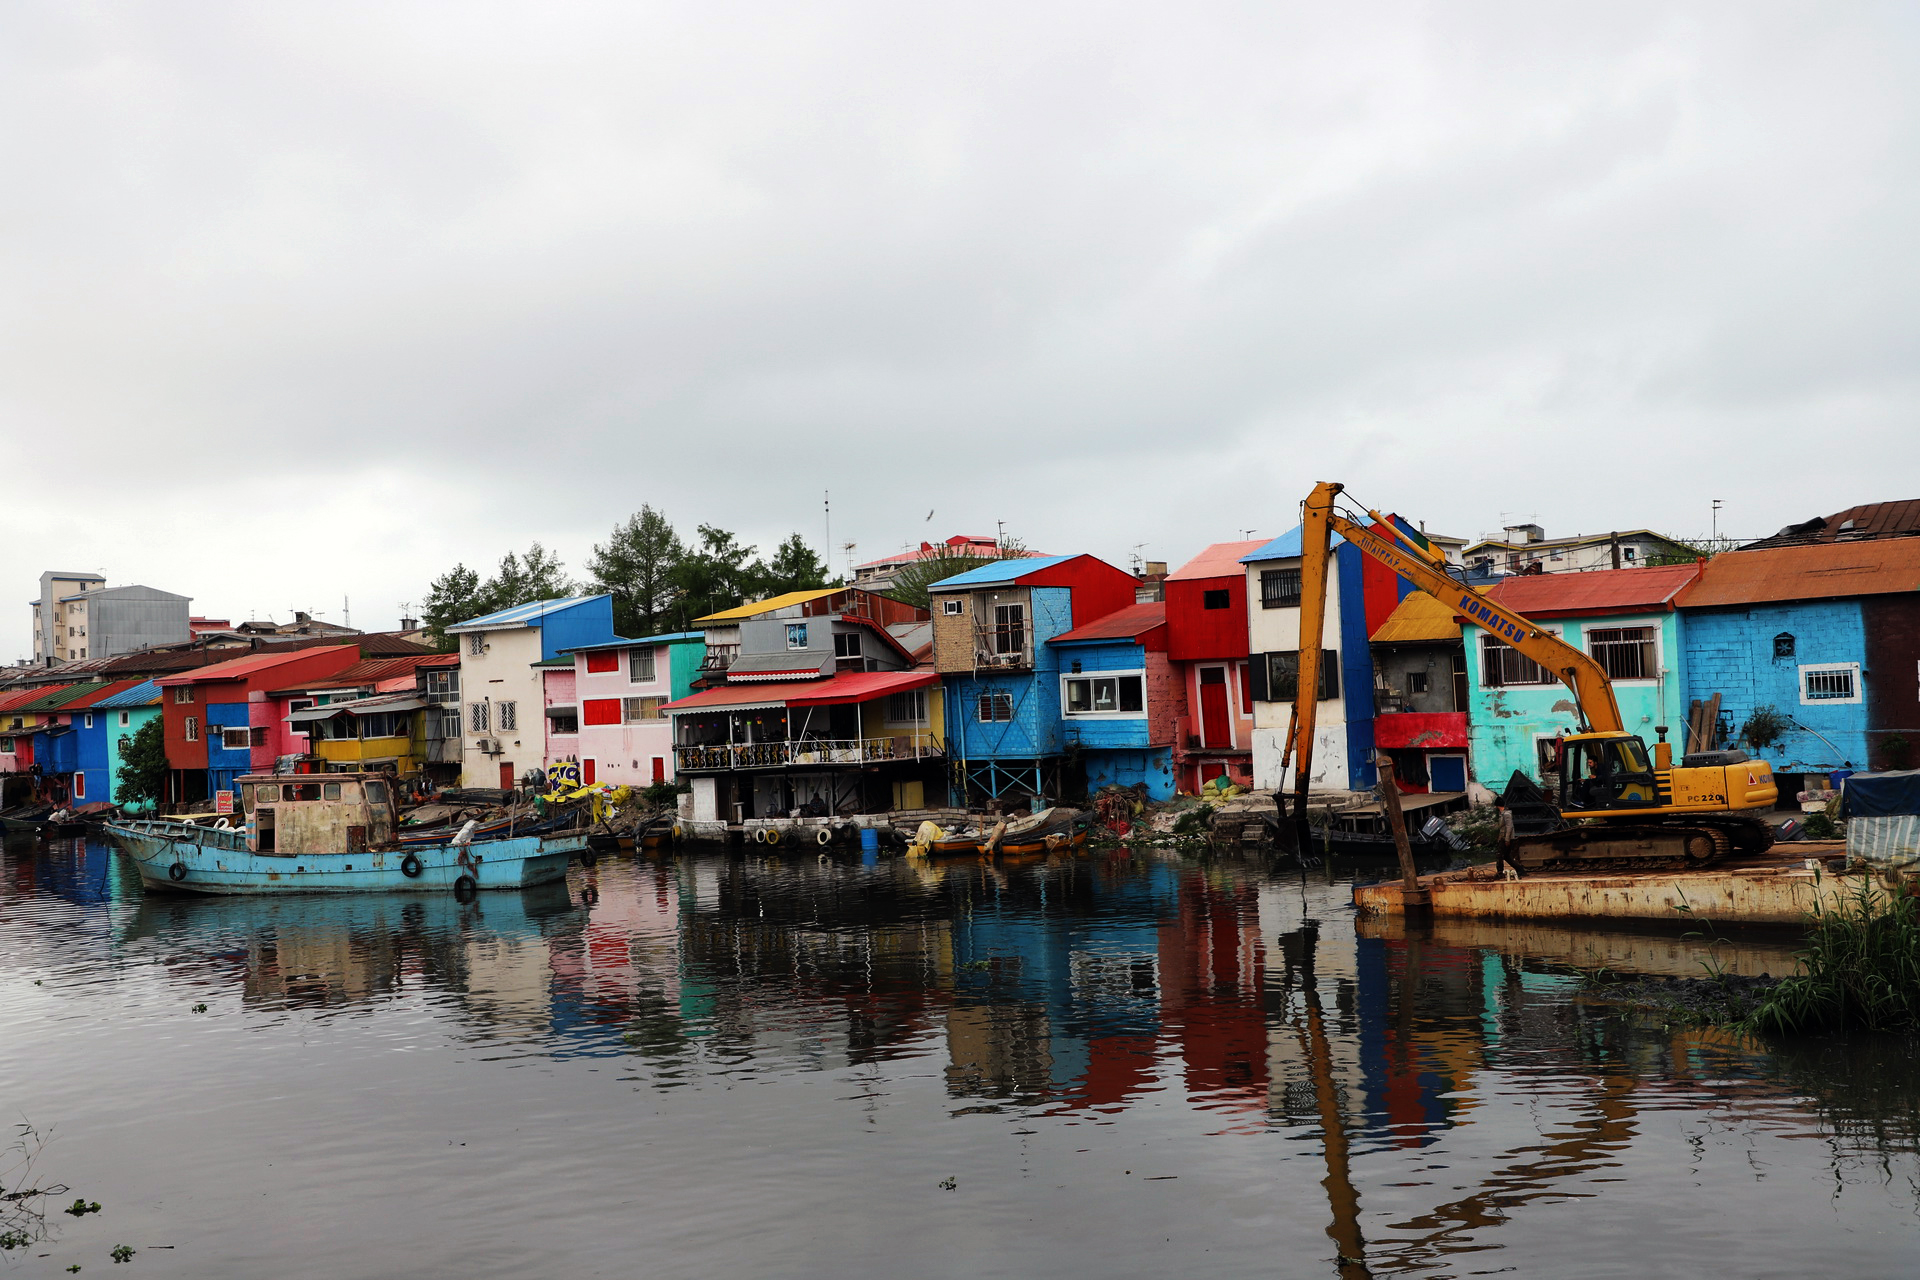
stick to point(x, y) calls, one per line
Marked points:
point(1731, 652)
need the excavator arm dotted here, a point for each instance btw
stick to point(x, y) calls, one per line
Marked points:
point(1425, 568)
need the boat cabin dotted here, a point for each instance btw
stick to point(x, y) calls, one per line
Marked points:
point(295, 814)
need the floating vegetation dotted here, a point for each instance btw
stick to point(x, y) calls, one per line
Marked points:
point(122, 1253)
point(81, 1208)
point(1860, 969)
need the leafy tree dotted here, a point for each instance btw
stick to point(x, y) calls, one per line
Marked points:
point(538, 575)
point(636, 567)
point(716, 574)
point(452, 598)
point(142, 780)
point(911, 583)
point(793, 567)
point(1690, 550)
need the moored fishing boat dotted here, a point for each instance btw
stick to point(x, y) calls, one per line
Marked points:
point(336, 833)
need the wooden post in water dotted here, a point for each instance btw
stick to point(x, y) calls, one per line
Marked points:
point(1412, 896)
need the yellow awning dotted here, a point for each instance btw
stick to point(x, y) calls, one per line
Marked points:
point(1418, 618)
point(754, 608)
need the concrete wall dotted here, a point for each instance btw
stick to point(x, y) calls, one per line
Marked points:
point(623, 753)
point(1343, 726)
point(1731, 653)
point(503, 673)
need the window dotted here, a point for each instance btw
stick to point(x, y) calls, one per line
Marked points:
point(256, 737)
point(1835, 682)
point(329, 791)
point(952, 608)
point(443, 687)
point(477, 643)
point(126, 718)
point(6, 745)
point(846, 644)
point(506, 716)
point(638, 709)
point(1624, 653)
point(183, 694)
point(563, 721)
point(796, 635)
point(603, 661)
point(1216, 599)
point(476, 717)
point(1628, 553)
point(1502, 665)
point(995, 707)
point(1283, 675)
point(235, 740)
point(1010, 628)
point(600, 711)
point(1783, 645)
point(1416, 682)
point(640, 668)
point(190, 730)
point(376, 792)
point(450, 722)
point(89, 719)
point(79, 786)
point(908, 708)
point(1115, 695)
point(1279, 589)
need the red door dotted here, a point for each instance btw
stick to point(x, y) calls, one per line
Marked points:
point(506, 776)
point(587, 773)
point(659, 768)
point(1215, 729)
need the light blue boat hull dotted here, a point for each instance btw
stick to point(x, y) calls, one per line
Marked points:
point(216, 861)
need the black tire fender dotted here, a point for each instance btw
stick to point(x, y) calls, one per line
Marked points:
point(177, 872)
point(465, 887)
point(410, 866)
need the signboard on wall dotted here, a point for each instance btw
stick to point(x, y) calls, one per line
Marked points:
point(223, 802)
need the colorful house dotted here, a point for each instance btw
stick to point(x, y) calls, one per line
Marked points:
point(74, 745)
point(17, 725)
point(504, 685)
point(1421, 695)
point(606, 706)
point(1120, 699)
point(1826, 634)
point(371, 715)
point(802, 634)
point(124, 714)
point(1006, 735)
point(1207, 645)
point(1626, 619)
point(221, 719)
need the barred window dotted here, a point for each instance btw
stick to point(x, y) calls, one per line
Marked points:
point(450, 722)
point(476, 717)
point(1501, 664)
point(235, 740)
point(996, 707)
point(907, 708)
point(1283, 675)
point(505, 716)
point(639, 666)
point(1624, 653)
point(477, 643)
point(638, 709)
point(1836, 683)
point(191, 729)
point(1279, 589)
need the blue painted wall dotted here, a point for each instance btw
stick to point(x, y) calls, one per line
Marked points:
point(1356, 663)
point(589, 622)
point(1034, 730)
point(1117, 751)
point(1731, 653)
point(223, 766)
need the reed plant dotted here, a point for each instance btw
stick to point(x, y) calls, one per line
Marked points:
point(1859, 969)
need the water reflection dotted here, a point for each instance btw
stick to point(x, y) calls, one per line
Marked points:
point(1448, 1085)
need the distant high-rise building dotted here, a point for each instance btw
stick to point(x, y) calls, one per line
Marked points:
point(79, 616)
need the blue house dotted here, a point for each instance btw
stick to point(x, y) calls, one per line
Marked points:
point(1119, 699)
point(993, 629)
point(1827, 637)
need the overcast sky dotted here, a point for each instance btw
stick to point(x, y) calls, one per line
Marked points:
point(310, 301)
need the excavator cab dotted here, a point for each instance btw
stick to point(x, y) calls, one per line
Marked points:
point(1607, 771)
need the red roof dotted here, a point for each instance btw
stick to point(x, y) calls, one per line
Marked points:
point(375, 670)
point(1221, 560)
point(19, 696)
point(106, 690)
point(1819, 571)
point(849, 686)
point(1129, 623)
point(241, 668)
point(1604, 591)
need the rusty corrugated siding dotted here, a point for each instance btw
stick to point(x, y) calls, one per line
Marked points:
point(1820, 571)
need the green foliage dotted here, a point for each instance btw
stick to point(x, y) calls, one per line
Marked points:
point(458, 594)
point(82, 1207)
point(665, 794)
point(452, 598)
point(636, 567)
point(1895, 751)
point(142, 780)
point(1819, 826)
point(716, 573)
point(793, 567)
point(1860, 968)
point(1690, 550)
point(910, 584)
point(122, 1253)
point(1765, 727)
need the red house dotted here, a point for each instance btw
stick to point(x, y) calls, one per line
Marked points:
point(1207, 645)
point(219, 719)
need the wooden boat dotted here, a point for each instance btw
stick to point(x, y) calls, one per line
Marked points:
point(1044, 832)
point(334, 833)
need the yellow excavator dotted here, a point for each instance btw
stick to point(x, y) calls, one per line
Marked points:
point(1616, 806)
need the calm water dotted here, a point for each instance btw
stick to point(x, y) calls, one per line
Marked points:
point(1137, 1065)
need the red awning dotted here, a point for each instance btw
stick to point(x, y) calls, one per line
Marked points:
point(1420, 731)
point(848, 686)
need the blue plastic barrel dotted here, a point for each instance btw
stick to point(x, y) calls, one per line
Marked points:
point(869, 845)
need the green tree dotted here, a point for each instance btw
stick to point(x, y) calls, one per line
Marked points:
point(636, 567)
point(717, 573)
point(452, 598)
point(142, 780)
point(793, 567)
point(910, 584)
point(538, 575)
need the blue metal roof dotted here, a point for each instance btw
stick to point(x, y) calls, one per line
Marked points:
point(998, 573)
point(1286, 547)
point(672, 637)
point(141, 695)
point(524, 615)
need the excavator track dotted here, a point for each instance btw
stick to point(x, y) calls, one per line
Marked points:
point(1643, 846)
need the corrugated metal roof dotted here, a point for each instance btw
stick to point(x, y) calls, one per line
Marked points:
point(1000, 572)
point(143, 694)
point(17, 698)
point(1869, 520)
point(53, 699)
point(1221, 560)
point(1417, 619)
point(521, 615)
point(1817, 571)
point(762, 665)
point(97, 693)
point(672, 637)
point(1122, 624)
point(1542, 595)
point(1285, 547)
point(850, 686)
point(240, 668)
point(754, 608)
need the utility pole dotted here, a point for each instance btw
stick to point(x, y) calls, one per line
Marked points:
point(1716, 519)
point(826, 505)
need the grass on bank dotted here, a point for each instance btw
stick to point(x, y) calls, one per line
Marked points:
point(1859, 969)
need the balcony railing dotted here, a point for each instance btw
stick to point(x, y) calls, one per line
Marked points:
point(1004, 647)
point(821, 752)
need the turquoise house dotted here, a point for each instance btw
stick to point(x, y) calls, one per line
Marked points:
point(1625, 619)
point(121, 715)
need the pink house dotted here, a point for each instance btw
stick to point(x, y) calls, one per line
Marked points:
point(605, 711)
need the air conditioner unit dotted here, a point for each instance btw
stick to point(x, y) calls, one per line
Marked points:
point(490, 746)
